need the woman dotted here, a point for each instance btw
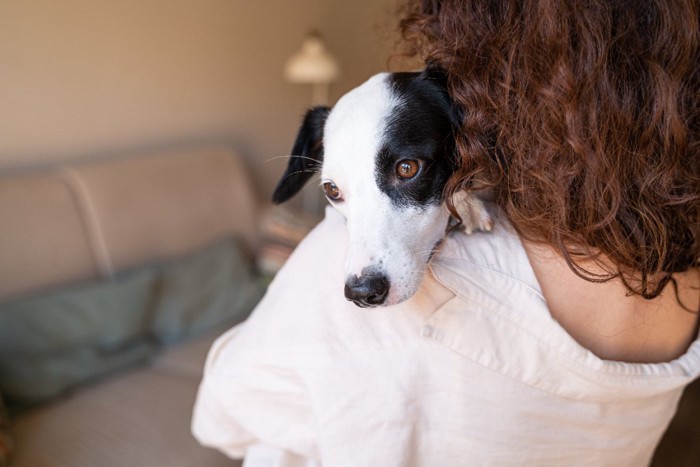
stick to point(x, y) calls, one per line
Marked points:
point(565, 336)
point(583, 117)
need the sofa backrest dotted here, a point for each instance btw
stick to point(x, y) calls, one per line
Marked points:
point(90, 220)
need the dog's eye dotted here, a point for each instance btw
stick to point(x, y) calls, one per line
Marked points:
point(407, 168)
point(332, 191)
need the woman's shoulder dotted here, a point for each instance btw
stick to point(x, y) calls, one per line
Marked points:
point(594, 323)
point(607, 320)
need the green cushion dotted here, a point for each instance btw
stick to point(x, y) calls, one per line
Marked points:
point(215, 286)
point(55, 341)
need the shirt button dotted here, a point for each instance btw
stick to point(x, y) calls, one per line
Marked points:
point(427, 331)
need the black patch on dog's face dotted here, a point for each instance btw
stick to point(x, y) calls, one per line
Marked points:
point(420, 128)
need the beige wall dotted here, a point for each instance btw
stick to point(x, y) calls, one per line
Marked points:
point(83, 78)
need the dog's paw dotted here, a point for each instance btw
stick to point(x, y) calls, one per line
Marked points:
point(473, 213)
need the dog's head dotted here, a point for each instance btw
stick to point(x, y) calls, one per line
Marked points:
point(385, 152)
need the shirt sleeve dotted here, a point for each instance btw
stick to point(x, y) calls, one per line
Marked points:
point(245, 400)
point(251, 392)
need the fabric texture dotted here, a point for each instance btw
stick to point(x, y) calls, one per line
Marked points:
point(473, 370)
point(53, 342)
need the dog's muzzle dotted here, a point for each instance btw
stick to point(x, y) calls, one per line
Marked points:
point(367, 290)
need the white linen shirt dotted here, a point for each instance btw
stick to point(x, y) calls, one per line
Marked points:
point(472, 371)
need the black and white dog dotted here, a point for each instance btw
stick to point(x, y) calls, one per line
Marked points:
point(385, 152)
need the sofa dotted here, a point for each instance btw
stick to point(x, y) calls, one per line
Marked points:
point(115, 277)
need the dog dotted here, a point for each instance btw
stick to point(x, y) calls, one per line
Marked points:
point(385, 152)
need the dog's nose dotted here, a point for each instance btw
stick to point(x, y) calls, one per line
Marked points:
point(367, 290)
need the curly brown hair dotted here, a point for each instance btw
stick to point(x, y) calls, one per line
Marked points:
point(583, 118)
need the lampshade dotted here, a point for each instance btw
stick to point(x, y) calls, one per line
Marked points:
point(312, 64)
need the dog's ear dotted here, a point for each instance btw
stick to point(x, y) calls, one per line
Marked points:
point(437, 75)
point(307, 155)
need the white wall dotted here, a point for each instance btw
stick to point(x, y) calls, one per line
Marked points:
point(84, 79)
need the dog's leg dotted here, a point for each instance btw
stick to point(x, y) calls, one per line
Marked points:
point(473, 213)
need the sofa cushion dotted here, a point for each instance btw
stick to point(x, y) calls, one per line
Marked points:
point(85, 221)
point(158, 206)
point(53, 342)
point(215, 286)
point(43, 240)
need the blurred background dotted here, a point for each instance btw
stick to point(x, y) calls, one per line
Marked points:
point(140, 142)
point(81, 79)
